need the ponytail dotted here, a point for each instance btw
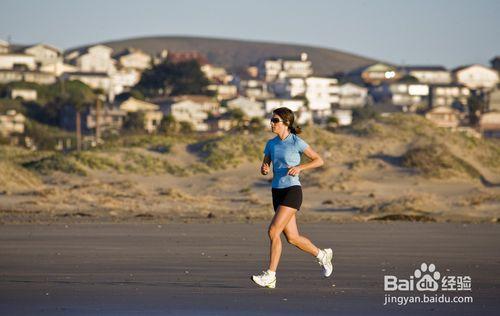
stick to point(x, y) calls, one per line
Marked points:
point(295, 130)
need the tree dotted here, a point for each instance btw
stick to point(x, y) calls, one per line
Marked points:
point(476, 106)
point(170, 79)
point(78, 95)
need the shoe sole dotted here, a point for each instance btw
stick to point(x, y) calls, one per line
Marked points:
point(271, 285)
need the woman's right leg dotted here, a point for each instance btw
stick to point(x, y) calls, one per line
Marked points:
point(292, 235)
point(280, 220)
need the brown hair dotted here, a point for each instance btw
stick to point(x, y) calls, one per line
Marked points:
point(288, 118)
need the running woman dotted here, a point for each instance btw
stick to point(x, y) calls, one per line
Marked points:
point(284, 152)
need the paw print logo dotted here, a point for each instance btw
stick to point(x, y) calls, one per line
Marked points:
point(428, 277)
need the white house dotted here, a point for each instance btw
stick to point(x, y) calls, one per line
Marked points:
point(133, 58)
point(494, 100)
point(429, 74)
point(293, 104)
point(13, 61)
point(322, 94)
point(124, 79)
point(191, 112)
point(11, 122)
point(352, 95)
point(407, 94)
point(275, 68)
point(446, 95)
point(223, 91)
point(374, 74)
point(489, 124)
point(254, 89)
point(93, 59)
point(344, 117)
point(152, 113)
point(4, 47)
point(44, 54)
point(249, 107)
point(25, 94)
point(443, 116)
point(39, 77)
point(215, 74)
point(476, 77)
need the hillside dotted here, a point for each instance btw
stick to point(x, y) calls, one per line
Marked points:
point(236, 53)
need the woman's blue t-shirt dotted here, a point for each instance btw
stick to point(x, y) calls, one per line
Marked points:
point(284, 155)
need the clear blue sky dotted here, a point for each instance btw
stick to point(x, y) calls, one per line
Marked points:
point(446, 32)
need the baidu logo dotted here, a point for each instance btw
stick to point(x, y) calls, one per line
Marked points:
point(427, 278)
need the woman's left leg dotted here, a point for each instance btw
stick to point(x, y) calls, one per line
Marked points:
point(280, 220)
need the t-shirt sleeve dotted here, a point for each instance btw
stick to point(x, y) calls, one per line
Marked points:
point(267, 149)
point(301, 145)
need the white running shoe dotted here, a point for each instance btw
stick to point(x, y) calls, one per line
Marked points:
point(265, 280)
point(326, 262)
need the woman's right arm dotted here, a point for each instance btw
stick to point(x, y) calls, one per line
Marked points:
point(265, 167)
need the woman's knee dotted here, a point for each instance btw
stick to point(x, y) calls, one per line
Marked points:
point(273, 232)
point(292, 239)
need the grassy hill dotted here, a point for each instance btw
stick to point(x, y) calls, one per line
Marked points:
point(237, 53)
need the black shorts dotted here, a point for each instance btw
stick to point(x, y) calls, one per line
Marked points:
point(291, 197)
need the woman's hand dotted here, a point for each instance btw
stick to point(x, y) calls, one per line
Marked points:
point(265, 168)
point(294, 171)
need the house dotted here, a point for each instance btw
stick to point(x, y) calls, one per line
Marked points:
point(428, 74)
point(253, 88)
point(223, 91)
point(45, 55)
point(222, 122)
point(489, 124)
point(15, 61)
point(216, 74)
point(192, 109)
point(494, 100)
point(93, 59)
point(249, 107)
point(11, 123)
point(352, 95)
point(58, 68)
point(4, 47)
point(443, 116)
point(293, 104)
point(132, 58)
point(447, 95)
point(408, 93)
point(374, 74)
point(476, 77)
point(110, 119)
point(152, 113)
point(322, 95)
point(25, 94)
point(282, 67)
point(344, 117)
point(124, 79)
point(39, 77)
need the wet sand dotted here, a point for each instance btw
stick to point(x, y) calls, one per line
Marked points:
point(204, 269)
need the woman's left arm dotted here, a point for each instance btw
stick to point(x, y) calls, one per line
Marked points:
point(315, 162)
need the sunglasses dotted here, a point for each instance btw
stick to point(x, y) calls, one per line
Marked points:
point(276, 120)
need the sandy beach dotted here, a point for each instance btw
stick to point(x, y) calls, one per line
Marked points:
point(204, 269)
